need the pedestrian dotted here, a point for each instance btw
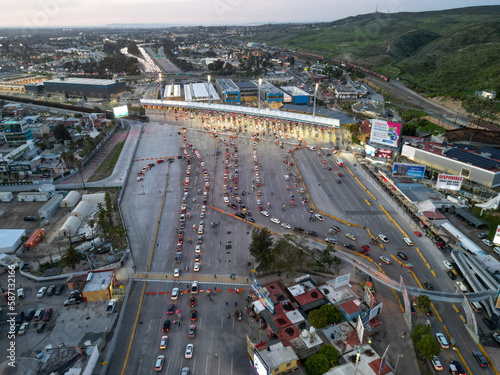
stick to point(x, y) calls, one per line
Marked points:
point(235, 304)
point(220, 242)
point(227, 304)
point(215, 276)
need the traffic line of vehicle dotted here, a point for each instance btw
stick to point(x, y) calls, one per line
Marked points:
point(492, 364)
point(396, 224)
point(188, 278)
point(436, 312)
point(158, 158)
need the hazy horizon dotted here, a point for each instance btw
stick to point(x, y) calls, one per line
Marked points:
point(95, 13)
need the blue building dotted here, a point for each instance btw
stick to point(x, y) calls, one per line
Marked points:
point(228, 90)
point(16, 132)
point(299, 97)
point(269, 93)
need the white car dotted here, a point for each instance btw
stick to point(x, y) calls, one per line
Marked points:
point(159, 362)
point(319, 217)
point(259, 202)
point(203, 208)
point(23, 329)
point(265, 213)
point(41, 292)
point(287, 177)
point(20, 293)
point(175, 294)
point(163, 342)
point(408, 241)
point(436, 363)
point(442, 341)
point(197, 249)
point(275, 220)
point(447, 265)
point(177, 272)
point(196, 267)
point(226, 200)
point(385, 260)
point(383, 238)
point(189, 351)
point(487, 242)
point(351, 236)
point(331, 240)
point(286, 225)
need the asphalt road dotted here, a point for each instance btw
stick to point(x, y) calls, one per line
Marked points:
point(348, 201)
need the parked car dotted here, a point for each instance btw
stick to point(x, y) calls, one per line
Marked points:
point(41, 292)
point(50, 290)
point(30, 218)
point(447, 265)
point(488, 242)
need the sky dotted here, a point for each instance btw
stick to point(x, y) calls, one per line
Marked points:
point(54, 13)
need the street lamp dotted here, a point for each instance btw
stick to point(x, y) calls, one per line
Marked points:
point(314, 107)
point(161, 94)
point(359, 351)
point(209, 90)
point(260, 83)
point(397, 361)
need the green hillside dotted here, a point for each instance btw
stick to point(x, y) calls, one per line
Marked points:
point(444, 52)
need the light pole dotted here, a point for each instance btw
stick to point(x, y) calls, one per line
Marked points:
point(161, 94)
point(359, 350)
point(260, 83)
point(397, 361)
point(209, 90)
point(314, 106)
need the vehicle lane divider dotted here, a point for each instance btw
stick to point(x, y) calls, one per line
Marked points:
point(455, 308)
point(368, 203)
point(436, 312)
point(492, 364)
point(399, 301)
point(365, 189)
point(433, 273)
point(396, 224)
point(425, 261)
point(346, 167)
point(462, 318)
point(465, 363)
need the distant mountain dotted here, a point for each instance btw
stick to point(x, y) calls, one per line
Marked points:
point(448, 52)
point(143, 25)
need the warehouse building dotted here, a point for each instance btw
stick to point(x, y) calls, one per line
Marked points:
point(98, 286)
point(198, 92)
point(228, 90)
point(11, 239)
point(247, 89)
point(33, 196)
point(173, 92)
point(70, 227)
point(299, 97)
point(80, 87)
point(269, 93)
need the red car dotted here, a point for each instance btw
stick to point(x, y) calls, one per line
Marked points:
point(340, 174)
point(260, 208)
point(366, 247)
point(418, 234)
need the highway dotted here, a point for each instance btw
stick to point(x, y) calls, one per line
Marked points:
point(152, 209)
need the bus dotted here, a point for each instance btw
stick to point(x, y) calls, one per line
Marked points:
point(340, 163)
point(462, 286)
point(477, 307)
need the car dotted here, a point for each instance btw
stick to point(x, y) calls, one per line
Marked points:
point(480, 358)
point(170, 309)
point(429, 313)
point(417, 233)
point(199, 240)
point(335, 228)
point(251, 220)
point(23, 328)
point(333, 241)
point(436, 363)
point(319, 217)
point(442, 340)
point(408, 241)
point(447, 265)
point(30, 314)
point(401, 255)
point(177, 272)
point(241, 215)
point(428, 285)
point(175, 294)
point(339, 181)
point(366, 247)
point(192, 301)
point(197, 249)
point(451, 275)
point(159, 362)
point(487, 242)
point(203, 208)
point(72, 301)
point(47, 315)
point(192, 331)
point(265, 213)
point(194, 315)
point(59, 290)
point(286, 225)
point(385, 259)
point(196, 267)
point(41, 292)
point(259, 193)
point(261, 208)
point(340, 174)
point(456, 368)
point(20, 293)
point(30, 218)
point(194, 287)
point(287, 177)
point(166, 326)
point(489, 323)
point(159, 161)
point(312, 233)
point(350, 246)
point(482, 235)
point(496, 336)
point(189, 351)
point(275, 220)
point(351, 236)
point(41, 327)
point(383, 238)
point(163, 342)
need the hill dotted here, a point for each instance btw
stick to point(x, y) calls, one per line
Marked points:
point(450, 52)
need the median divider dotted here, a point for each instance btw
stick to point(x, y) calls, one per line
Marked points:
point(396, 224)
point(421, 256)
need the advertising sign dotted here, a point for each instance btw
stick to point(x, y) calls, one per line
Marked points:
point(250, 348)
point(385, 133)
point(262, 293)
point(375, 311)
point(259, 365)
point(384, 153)
point(342, 280)
point(360, 329)
point(408, 170)
point(385, 357)
point(121, 111)
point(368, 297)
point(370, 150)
point(449, 182)
point(496, 239)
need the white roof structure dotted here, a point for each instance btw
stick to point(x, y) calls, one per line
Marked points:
point(10, 239)
point(264, 112)
point(71, 199)
point(93, 198)
point(292, 90)
point(70, 226)
point(199, 92)
point(82, 209)
point(463, 240)
point(278, 355)
point(83, 81)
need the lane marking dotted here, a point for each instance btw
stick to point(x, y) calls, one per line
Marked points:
point(455, 308)
point(396, 224)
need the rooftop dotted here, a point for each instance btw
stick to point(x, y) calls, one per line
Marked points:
point(82, 81)
point(246, 85)
point(294, 91)
point(100, 281)
point(350, 307)
point(278, 355)
point(9, 237)
point(227, 84)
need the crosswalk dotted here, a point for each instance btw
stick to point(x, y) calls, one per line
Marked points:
point(222, 279)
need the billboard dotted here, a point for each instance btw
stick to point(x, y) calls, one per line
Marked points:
point(385, 133)
point(342, 280)
point(360, 329)
point(375, 311)
point(121, 111)
point(384, 153)
point(262, 293)
point(408, 170)
point(496, 239)
point(449, 182)
point(368, 297)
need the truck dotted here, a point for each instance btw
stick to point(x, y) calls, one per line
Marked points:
point(34, 239)
point(340, 163)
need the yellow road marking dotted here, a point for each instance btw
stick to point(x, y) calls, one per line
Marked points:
point(368, 203)
point(433, 273)
point(463, 361)
point(436, 312)
point(462, 317)
point(455, 308)
point(396, 224)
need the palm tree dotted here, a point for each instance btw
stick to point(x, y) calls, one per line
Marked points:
point(78, 164)
point(92, 225)
point(423, 305)
point(72, 257)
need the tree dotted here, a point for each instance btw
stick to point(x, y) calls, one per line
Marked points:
point(261, 247)
point(15, 176)
point(45, 138)
point(79, 128)
point(288, 257)
point(61, 133)
point(72, 257)
point(317, 319)
point(332, 313)
point(429, 346)
point(325, 256)
point(317, 364)
point(78, 165)
point(420, 331)
point(330, 353)
point(423, 305)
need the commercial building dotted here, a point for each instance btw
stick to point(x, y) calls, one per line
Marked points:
point(95, 88)
point(269, 93)
point(16, 132)
point(198, 92)
point(228, 90)
point(345, 92)
point(247, 89)
point(11, 239)
point(278, 359)
point(98, 286)
point(299, 97)
point(173, 92)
